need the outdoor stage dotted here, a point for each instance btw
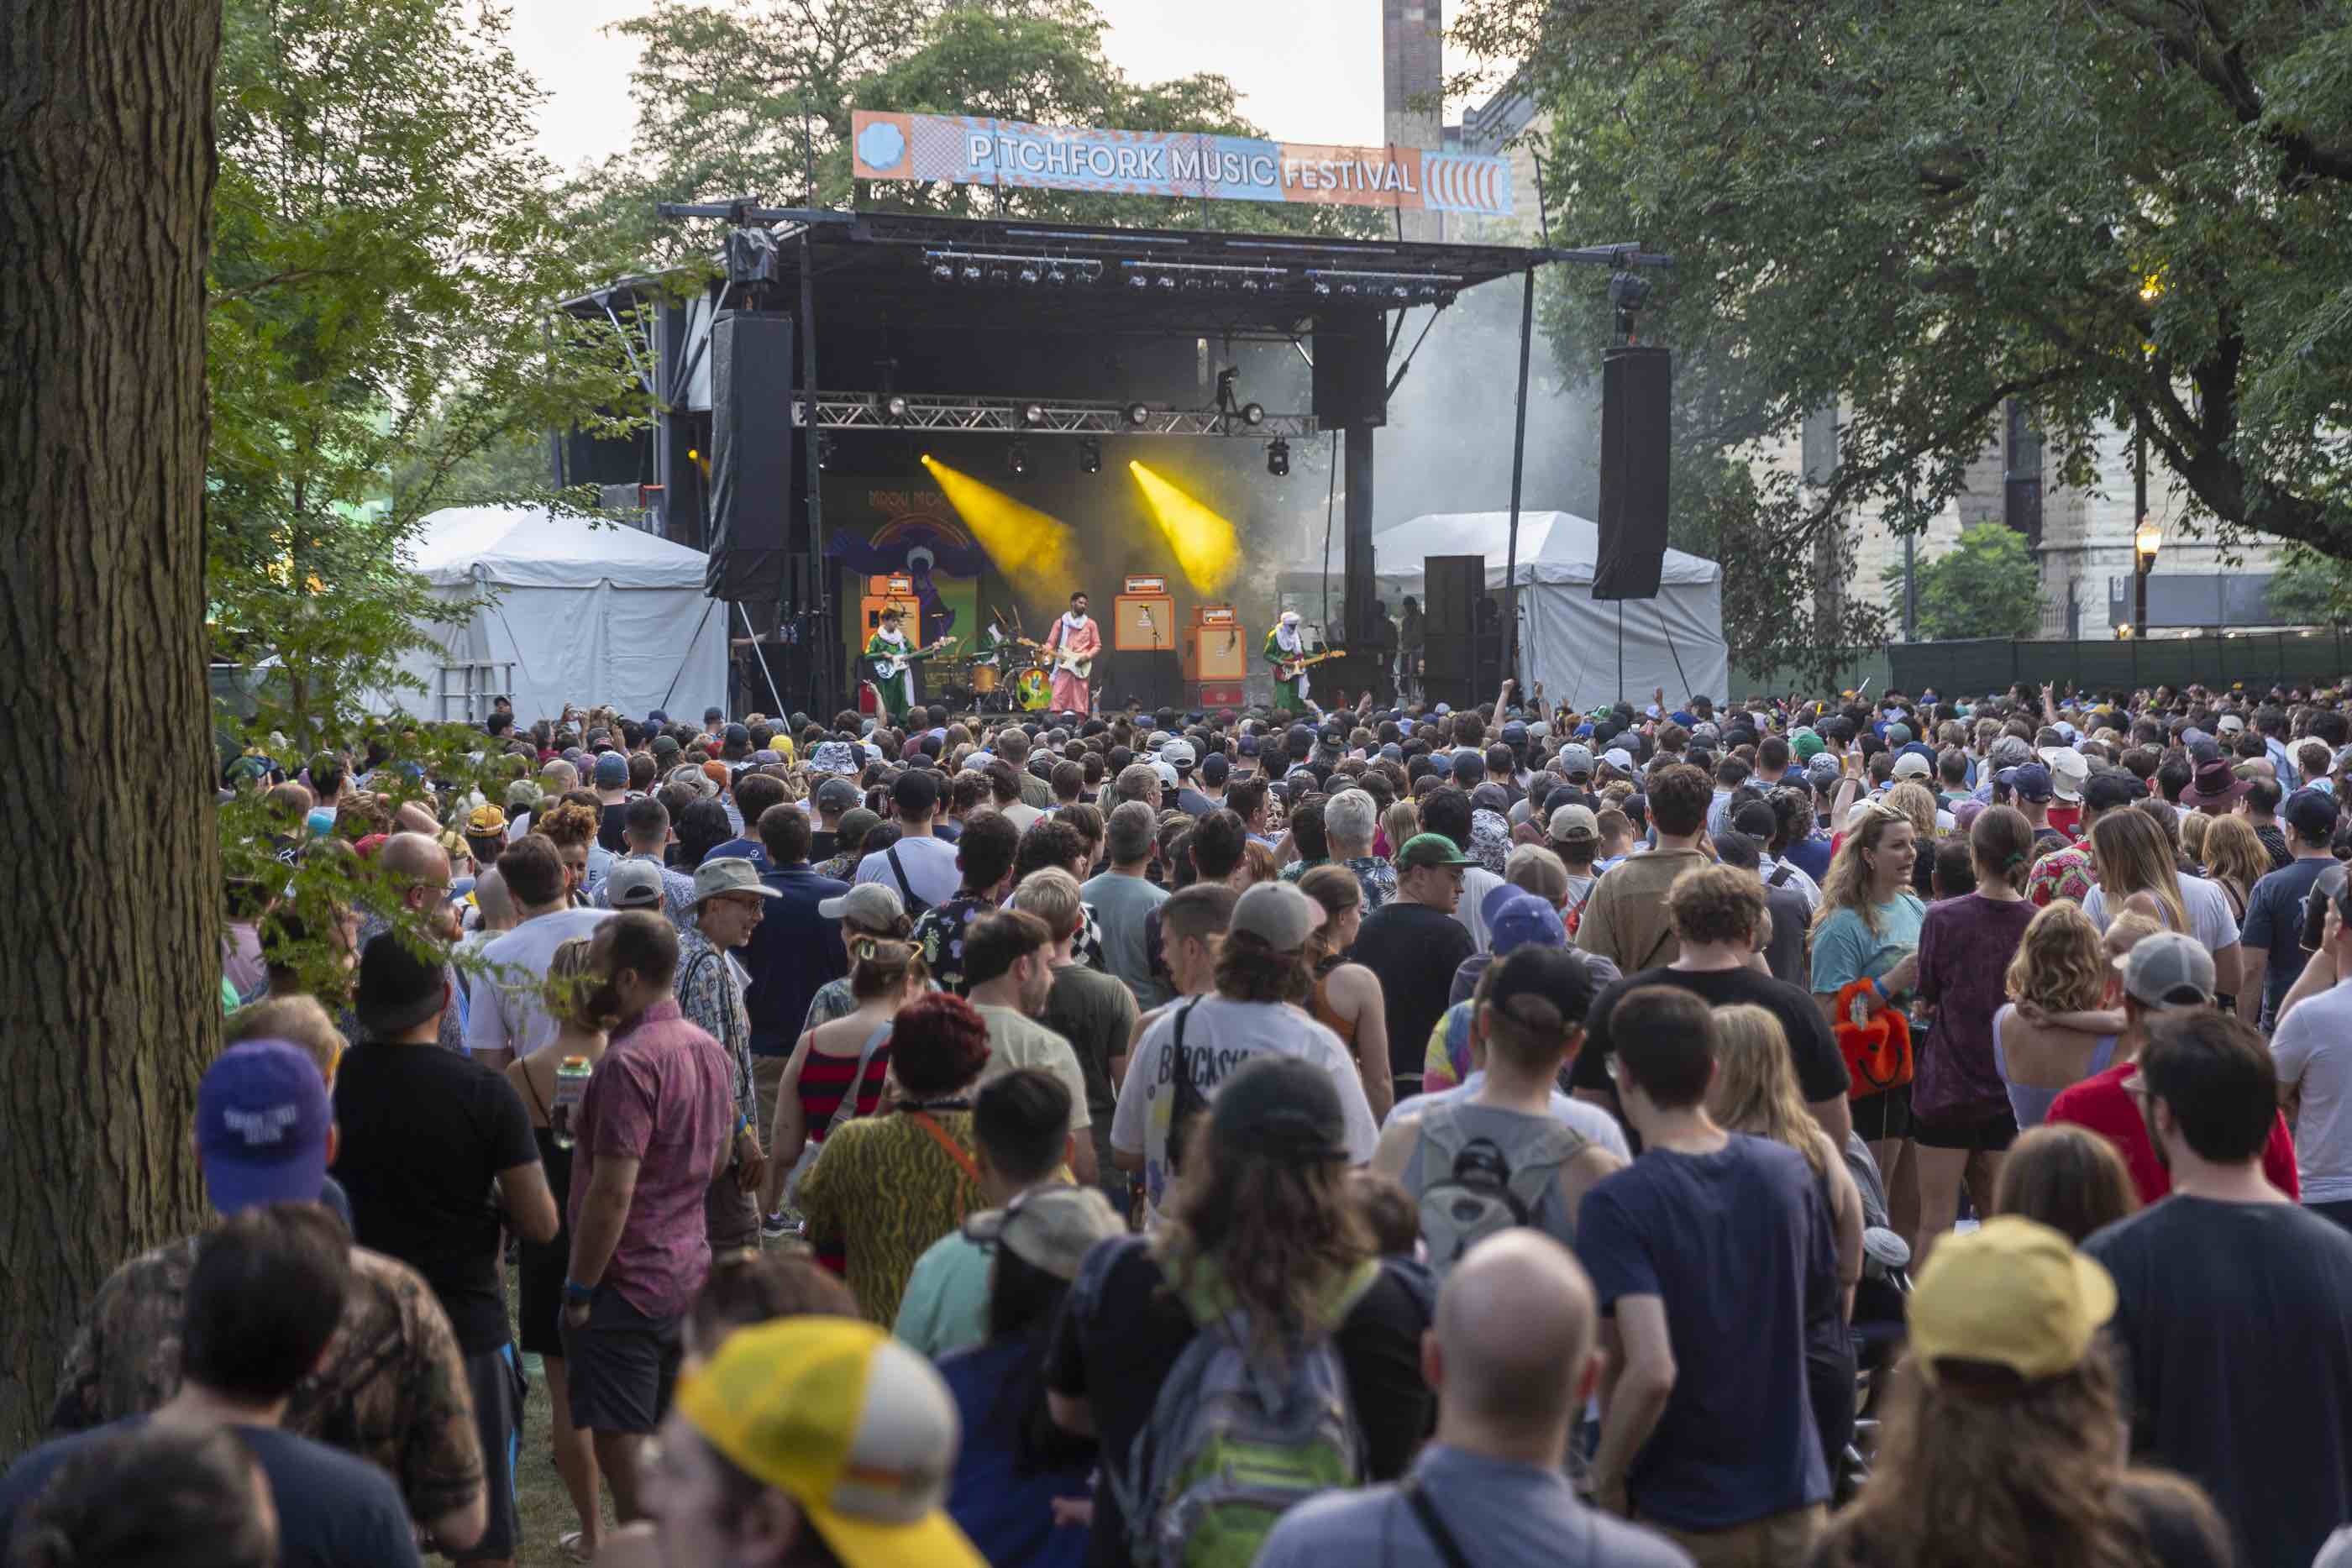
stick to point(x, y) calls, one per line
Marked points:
point(1007, 412)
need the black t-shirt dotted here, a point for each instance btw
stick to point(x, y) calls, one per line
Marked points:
point(611, 832)
point(822, 845)
point(1414, 950)
point(334, 1509)
point(426, 1133)
point(1120, 1330)
point(2236, 1323)
point(1820, 1067)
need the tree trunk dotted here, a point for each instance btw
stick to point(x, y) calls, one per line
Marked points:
point(109, 938)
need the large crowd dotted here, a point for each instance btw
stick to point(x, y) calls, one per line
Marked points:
point(1893, 1130)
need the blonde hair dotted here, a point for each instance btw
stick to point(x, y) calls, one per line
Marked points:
point(296, 1019)
point(1847, 886)
point(2131, 855)
point(2193, 828)
point(1755, 1089)
point(1052, 895)
point(1914, 799)
point(1400, 821)
point(2234, 853)
point(2127, 931)
point(2061, 965)
point(569, 986)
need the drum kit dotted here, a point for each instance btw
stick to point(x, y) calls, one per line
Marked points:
point(1016, 677)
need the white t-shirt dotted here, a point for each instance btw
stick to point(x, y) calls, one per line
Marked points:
point(503, 1010)
point(1015, 1041)
point(2313, 1048)
point(931, 866)
point(1588, 1120)
point(1218, 1038)
point(2210, 920)
point(1023, 816)
point(1477, 882)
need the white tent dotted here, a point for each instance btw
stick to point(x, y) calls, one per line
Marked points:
point(579, 612)
point(1568, 640)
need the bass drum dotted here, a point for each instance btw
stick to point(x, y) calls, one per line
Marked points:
point(1032, 690)
point(983, 678)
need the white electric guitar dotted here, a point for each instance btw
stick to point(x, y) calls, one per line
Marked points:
point(895, 665)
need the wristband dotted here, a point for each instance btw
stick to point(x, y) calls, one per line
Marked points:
point(576, 1292)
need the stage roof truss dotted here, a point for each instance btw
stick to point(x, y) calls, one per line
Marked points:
point(1010, 416)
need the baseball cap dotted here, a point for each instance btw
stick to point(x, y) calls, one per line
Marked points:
point(1575, 822)
point(1423, 850)
point(2014, 1293)
point(612, 771)
point(484, 820)
point(1575, 762)
point(2230, 724)
point(1807, 744)
point(1619, 758)
point(869, 905)
point(1911, 765)
point(2069, 769)
point(1548, 971)
point(2168, 969)
point(854, 1427)
point(2031, 781)
point(736, 735)
point(1048, 1228)
point(837, 794)
point(664, 746)
point(1247, 746)
point(1178, 753)
point(1214, 768)
point(1523, 918)
point(397, 989)
point(522, 795)
point(262, 1121)
point(2311, 814)
point(1276, 914)
point(1281, 1105)
point(633, 884)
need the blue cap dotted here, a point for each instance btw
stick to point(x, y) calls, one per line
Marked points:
point(2031, 781)
point(262, 1121)
point(1524, 918)
point(611, 771)
point(658, 716)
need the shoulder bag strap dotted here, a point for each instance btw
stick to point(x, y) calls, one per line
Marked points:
point(904, 885)
point(846, 1109)
point(1432, 1521)
point(940, 1135)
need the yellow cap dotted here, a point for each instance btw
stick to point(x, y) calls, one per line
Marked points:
point(851, 1424)
point(2013, 1292)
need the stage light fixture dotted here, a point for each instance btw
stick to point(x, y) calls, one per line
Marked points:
point(1168, 281)
point(1399, 291)
point(1137, 413)
point(1136, 280)
point(1028, 274)
point(1016, 458)
point(1253, 413)
point(1057, 276)
point(1322, 288)
point(971, 273)
point(1349, 289)
point(944, 271)
point(823, 450)
point(1089, 455)
point(1032, 413)
point(1278, 459)
point(894, 407)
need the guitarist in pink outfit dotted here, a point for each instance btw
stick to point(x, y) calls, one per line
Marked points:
point(1074, 641)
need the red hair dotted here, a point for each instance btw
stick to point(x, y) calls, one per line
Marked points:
point(939, 1044)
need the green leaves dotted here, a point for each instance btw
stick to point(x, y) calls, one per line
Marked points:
point(1986, 586)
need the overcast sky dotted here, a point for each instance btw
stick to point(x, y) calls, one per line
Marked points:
point(1308, 71)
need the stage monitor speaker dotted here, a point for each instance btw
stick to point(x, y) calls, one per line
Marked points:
point(1451, 588)
point(751, 457)
point(1636, 394)
point(1351, 368)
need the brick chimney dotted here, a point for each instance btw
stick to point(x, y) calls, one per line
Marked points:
point(1413, 74)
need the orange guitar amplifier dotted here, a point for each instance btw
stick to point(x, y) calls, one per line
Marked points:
point(884, 591)
point(1216, 648)
point(1144, 623)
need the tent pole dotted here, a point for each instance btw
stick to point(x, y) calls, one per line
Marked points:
point(1620, 650)
point(1518, 465)
point(690, 641)
point(752, 632)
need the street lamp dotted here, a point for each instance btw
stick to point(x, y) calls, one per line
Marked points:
point(2145, 542)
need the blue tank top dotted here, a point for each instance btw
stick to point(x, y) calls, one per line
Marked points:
point(2032, 1107)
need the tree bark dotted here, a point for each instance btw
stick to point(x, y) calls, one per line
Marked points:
point(109, 938)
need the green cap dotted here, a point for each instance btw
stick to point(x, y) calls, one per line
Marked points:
point(1807, 746)
point(1430, 849)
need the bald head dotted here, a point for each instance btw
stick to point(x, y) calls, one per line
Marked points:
point(496, 904)
point(414, 857)
point(1515, 1325)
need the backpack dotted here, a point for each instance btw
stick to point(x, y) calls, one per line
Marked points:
point(1233, 1443)
point(1471, 1188)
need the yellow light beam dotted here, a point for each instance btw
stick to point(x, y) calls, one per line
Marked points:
point(1204, 543)
point(1031, 548)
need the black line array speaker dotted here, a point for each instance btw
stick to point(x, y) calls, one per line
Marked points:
point(1461, 657)
point(1636, 393)
point(1351, 368)
point(751, 459)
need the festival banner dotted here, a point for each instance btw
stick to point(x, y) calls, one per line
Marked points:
point(968, 150)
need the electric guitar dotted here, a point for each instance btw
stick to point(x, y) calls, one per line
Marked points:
point(1292, 669)
point(1067, 663)
point(889, 667)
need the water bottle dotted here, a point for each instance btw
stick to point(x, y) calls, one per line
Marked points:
point(570, 1084)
